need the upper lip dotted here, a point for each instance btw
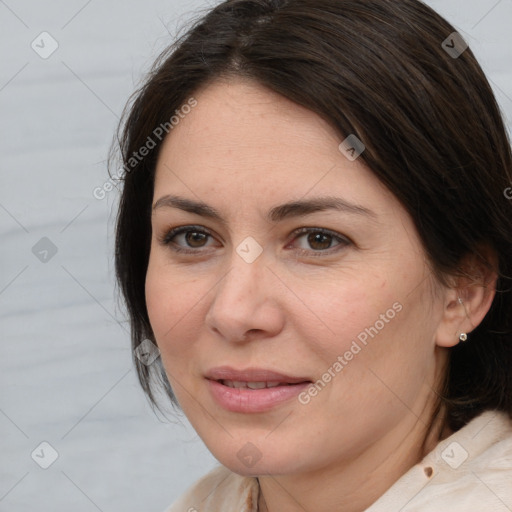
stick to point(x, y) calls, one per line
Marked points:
point(251, 375)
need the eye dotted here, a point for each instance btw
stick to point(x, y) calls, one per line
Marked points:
point(186, 238)
point(320, 240)
point(312, 241)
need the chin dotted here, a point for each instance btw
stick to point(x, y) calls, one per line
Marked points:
point(246, 459)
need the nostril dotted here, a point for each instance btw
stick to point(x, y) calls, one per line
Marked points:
point(249, 333)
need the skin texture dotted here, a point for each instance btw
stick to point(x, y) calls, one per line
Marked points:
point(244, 150)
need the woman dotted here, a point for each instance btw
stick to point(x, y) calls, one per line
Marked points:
point(314, 231)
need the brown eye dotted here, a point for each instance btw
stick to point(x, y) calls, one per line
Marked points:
point(319, 241)
point(187, 239)
point(195, 239)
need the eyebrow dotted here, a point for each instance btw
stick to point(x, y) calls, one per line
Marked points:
point(297, 208)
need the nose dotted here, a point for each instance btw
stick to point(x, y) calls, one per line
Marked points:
point(245, 304)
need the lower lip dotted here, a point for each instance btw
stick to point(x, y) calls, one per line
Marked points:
point(253, 400)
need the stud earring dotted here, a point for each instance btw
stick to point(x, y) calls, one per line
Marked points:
point(462, 336)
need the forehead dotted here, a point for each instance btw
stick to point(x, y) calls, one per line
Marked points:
point(243, 140)
point(239, 116)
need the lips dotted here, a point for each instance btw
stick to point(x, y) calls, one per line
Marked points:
point(251, 385)
point(254, 389)
point(226, 373)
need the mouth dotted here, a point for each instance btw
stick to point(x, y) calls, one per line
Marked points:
point(252, 385)
point(231, 375)
point(253, 390)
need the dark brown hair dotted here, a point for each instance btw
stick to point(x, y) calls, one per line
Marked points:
point(433, 133)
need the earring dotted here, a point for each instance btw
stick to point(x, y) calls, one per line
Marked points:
point(462, 336)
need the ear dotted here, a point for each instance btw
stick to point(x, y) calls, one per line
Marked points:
point(469, 297)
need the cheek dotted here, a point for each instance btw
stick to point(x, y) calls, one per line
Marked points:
point(346, 312)
point(387, 362)
point(175, 313)
point(173, 306)
point(378, 328)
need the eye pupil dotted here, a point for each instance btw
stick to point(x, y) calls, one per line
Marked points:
point(319, 241)
point(195, 239)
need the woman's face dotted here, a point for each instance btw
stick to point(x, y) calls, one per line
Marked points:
point(293, 270)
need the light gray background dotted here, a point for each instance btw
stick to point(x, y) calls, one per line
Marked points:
point(65, 369)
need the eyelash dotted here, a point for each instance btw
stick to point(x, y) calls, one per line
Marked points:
point(167, 240)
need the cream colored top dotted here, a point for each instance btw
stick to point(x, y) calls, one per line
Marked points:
point(470, 471)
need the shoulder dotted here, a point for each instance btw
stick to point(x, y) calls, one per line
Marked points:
point(218, 491)
point(475, 465)
point(469, 471)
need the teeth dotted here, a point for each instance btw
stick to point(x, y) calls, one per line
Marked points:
point(256, 385)
point(251, 385)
